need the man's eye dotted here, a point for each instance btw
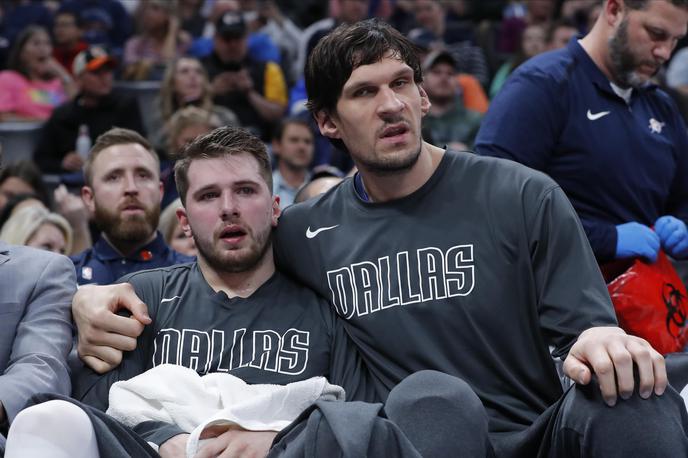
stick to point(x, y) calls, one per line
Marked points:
point(363, 92)
point(208, 196)
point(399, 83)
point(246, 190)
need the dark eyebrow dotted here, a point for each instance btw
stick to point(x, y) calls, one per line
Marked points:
point(396, 75)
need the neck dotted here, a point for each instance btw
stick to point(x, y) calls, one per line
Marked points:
point(87, 100)
point(440, 106)
point(126, 247)
point(595, 45)
point(383, 187)
point(294, 176)
point(239, 284)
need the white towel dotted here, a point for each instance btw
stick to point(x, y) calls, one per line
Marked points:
point(176, 394)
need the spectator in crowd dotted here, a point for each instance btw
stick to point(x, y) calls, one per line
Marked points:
point(34, 82)
point(123, 193)
point(67, 33)
point(448, 122)
point(438, 33)
point(532, 43)
point(616, 144)
point(22, 177)
point(95, 110)
point(19, 14)
point(347, 12)
point(293, 149)
point(106, 22)
point(36, 289)
point(173, 233)
point(37, 227)
point(523, 14)
point(559, 33)
point(319, 184)
point(185, 125)
point(255, 91)
point(284, 33)
point(191, 17)
point(159, 41)
point(185, 83)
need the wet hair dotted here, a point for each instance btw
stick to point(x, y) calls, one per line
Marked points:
point(115, 136)
point(224, 141)
point(346, 48)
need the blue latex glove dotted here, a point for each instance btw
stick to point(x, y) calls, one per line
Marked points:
point(636, 240)
point(673, 235)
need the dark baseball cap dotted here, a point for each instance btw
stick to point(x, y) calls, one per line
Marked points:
point(93, 59)
point(230, 25)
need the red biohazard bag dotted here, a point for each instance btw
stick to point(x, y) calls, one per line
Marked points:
point(650, 302)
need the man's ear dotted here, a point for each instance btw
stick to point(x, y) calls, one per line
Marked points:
point(614, 12)
point(424, 101)
point(327, 124)
point(162, 192)
point(89, 199)
point(276, 211)
point(184, 221)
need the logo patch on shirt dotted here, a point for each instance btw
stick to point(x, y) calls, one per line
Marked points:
point(87, 273)
point(596, 116)
point(310, 234)
point(656, 126)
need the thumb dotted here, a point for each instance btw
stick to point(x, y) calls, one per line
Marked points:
point(577, 370)
point(130, 301)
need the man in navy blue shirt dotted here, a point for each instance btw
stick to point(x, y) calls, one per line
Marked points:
point(589, 116)
point(123, 193)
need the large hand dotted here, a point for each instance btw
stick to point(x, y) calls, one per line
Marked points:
point(174, 447)
point(238, 443)
point(636, 240)
point(609, 353)
point(103, 334)
point(673, 235)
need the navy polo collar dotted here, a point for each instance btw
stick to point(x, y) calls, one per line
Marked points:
point(103, 251)
point(594, 73)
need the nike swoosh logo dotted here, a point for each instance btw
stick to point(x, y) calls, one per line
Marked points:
point(310, 234)
point(596, 116)
point(170, 299)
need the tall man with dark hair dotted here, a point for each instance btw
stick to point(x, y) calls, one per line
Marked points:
point(123, 193)
point(589, 116)
point(472, 266)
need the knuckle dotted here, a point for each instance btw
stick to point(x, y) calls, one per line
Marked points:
point(604, 368)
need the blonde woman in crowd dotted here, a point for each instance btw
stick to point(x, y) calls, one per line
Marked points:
point(185, 84)
point(37, 227)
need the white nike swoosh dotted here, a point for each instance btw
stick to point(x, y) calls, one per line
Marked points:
point(310, 234)
point(596, 116)
point(170, 299)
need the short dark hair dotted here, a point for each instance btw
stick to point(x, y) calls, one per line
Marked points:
point(115, 136)
point(223, 141)
point(347, 47)
point(642, 4)
point(28, 172)
point(284, 122)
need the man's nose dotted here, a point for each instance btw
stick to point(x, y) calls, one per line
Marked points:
point(390, 102)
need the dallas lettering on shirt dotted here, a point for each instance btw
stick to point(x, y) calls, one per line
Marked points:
point(205, 351)
point(430, 273)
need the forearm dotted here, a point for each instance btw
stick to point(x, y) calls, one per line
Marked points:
point(270, 111)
